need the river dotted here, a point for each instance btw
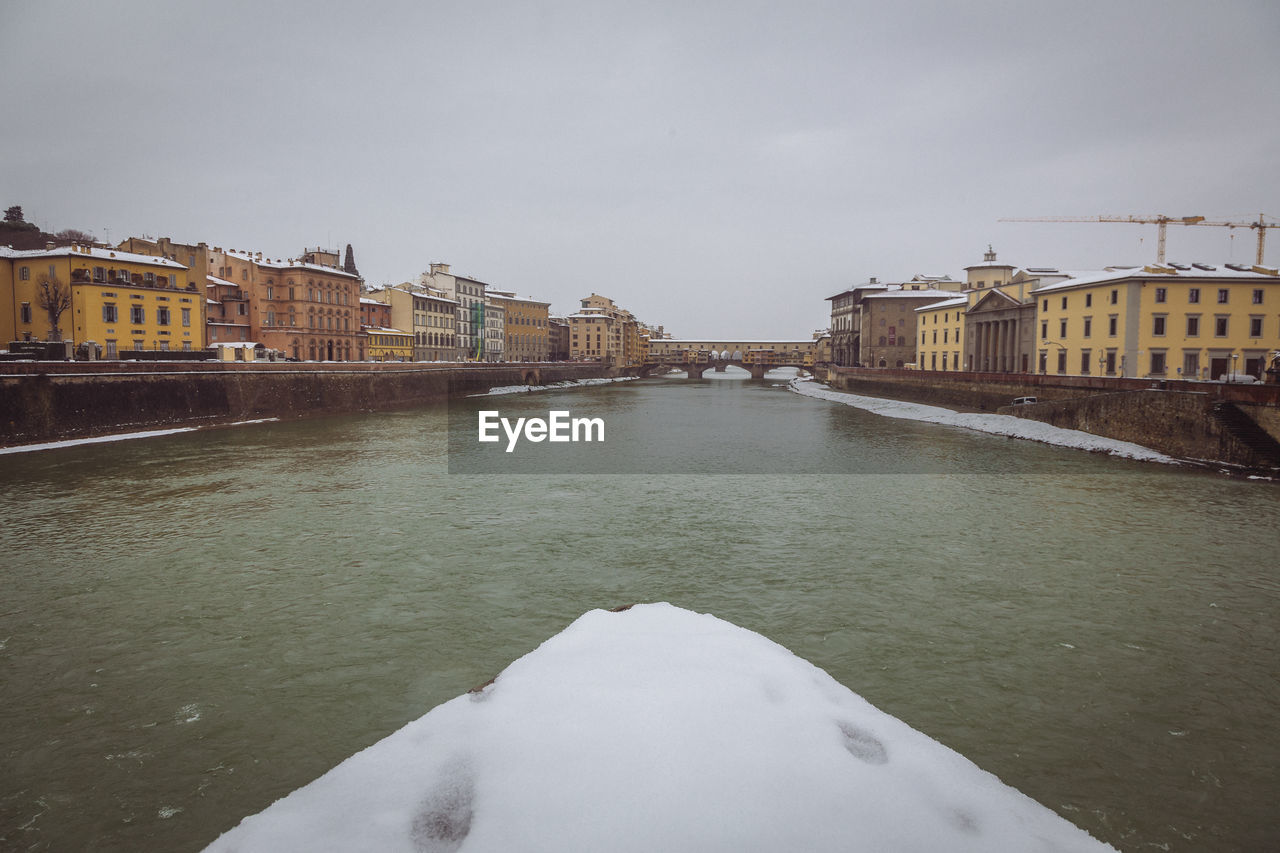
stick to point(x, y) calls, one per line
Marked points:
point(196, 624)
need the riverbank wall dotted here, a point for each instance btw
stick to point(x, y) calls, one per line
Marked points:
point(48, 401)
point(1237, 425)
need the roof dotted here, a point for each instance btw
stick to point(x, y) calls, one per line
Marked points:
point(92, 252)
point(867, 286)
point(957, 302)
point(292, 263)
point(913, 294)
point(1167, 272)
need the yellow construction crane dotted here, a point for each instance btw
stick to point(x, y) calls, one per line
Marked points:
point(1261, 226)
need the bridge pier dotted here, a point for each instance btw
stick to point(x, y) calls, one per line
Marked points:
point(720, 366)
point(759, 370)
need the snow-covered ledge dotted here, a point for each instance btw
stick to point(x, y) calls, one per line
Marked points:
point(657, 729)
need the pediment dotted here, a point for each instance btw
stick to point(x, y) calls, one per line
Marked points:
point(993, 300)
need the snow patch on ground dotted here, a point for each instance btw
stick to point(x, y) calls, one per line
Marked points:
point(1006, 425)
point(568, 383)
point(651, 729)
point(124, 436)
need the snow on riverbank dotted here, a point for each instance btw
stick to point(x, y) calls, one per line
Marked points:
point(568, 383)
point(997, 424)
point(124, 436)
point(657, 729)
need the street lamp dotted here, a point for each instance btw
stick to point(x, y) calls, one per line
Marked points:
point(1234, 356)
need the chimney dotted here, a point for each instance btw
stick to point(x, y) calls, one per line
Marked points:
point(440, 268)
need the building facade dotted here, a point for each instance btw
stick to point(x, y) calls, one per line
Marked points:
point(121, 301)
point(526, 325)
point(1171, 321)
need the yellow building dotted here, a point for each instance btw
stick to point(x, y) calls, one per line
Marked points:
point(940, 326)
point(526, 327)
point(389, 345)
point(602, 331)
point(119, 300)
point(1167, 321)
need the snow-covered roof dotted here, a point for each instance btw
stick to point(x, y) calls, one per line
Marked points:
point(1167, 272)
point(222, 281)
point(868, 286)
point(79, 251)
point(912, 294)
point(658, 729)
point(956, 302)
point(290, 264)
point(364, 300)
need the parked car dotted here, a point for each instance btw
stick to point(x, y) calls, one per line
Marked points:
point(1024, 401)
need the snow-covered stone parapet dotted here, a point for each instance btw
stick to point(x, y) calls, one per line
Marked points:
point(657, 729)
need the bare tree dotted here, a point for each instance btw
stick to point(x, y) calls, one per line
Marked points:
point(75, 235)
point(55, 298)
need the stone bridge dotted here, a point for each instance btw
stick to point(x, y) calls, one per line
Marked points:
point(756, 357)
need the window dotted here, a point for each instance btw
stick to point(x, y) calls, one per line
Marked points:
point(162, 316)
point(1157, 363)
point(1190, 365)
point(149, 279)
point(1112, 323)
point(1088, 300)
point(1111, 362)
point(271, 318)
point(1220, 327)
point(1257, 296)
point(1062, 329)
point(112, 348)
point(1085, 356)
point(1115, 297)
point(1046, 305)
point(1193, 326)
point(1044, 330)
point(24, 273)
point(1255, 327)
point(1162, 294)
point(271, 292)
point(1157, 325)
point(186, 316)
point(137, 315)
point(1062, 361)
point(1064, 303)
point(99, 274)
point(1193, 296)
point(1088, 326)
point(1223, 295)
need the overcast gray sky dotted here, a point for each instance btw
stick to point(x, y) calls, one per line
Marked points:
point(717, 167)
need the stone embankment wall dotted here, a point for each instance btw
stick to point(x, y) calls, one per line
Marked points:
point(44, 401)
point(1176, 418)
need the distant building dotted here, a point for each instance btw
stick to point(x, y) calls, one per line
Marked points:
point(603, 331)
point(470, 311)
point(558, 339)
point(425, 313)
point(526, 327)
